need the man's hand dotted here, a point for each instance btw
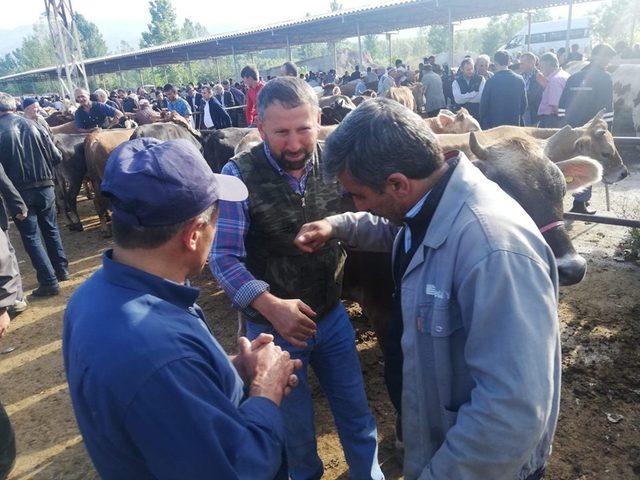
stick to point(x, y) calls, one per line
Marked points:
point(291, 318)
point(22, 216)
point(313, 236)
point(4, 321)
point(245, 361)
point(274, 377)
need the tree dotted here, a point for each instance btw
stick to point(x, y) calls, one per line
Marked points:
point(192, 29)
point(374, 46)
point(334, 6)
point(615, 20)
point(36, 50)
point(438, 38)
point(501, 29)
point(163, 27)
point(91, 39)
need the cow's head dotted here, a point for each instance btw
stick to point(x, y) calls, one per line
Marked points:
point(340, 108)
point(461, 122)
point(520, 168)
point(594, 141)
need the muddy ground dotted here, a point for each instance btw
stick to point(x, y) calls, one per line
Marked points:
point(600, 321)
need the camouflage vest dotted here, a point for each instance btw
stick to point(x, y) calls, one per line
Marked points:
point(276, 214)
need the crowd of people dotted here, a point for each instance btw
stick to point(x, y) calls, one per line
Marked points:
point(480, 376)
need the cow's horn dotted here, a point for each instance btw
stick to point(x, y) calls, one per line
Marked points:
point(598, 116)
point(477, 149)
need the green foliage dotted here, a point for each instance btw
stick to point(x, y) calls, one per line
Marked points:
point(438, 38)
point(91, 39)
point(36, 50)
point(615, 19)
point(163, 27)
point(629, 248)
point(334, 6)
point(501, 29)
point(192, 29)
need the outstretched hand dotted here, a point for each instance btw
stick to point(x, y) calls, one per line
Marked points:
point(313, 236)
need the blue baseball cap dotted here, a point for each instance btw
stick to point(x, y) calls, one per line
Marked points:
point(154, 183)
point(28, 101)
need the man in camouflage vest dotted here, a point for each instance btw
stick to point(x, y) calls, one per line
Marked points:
point(293, 295)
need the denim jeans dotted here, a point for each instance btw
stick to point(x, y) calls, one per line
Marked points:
point(41, 221)
point(584, 196)
point(333, 356)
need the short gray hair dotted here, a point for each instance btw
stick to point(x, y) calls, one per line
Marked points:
point(218, 89)
point(290, 92)
point(484, 57)
point(550, 59)
point(379, 138)
point(134, 236)
point(7, 102)
point(100, 93)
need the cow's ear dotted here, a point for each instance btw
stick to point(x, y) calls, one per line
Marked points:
point(580, 173)
point(583, 145)
point(445, 120)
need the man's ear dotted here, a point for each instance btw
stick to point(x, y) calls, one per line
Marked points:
point(191, 233)
point(398, 184)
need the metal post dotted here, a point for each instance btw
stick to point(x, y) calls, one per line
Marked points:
point(288, 49)
point(389, 48)
point(120, 77)
point(451, 46)
point(529, 32)
point(235, 62)
point(359, 44)
point(166, 76)
point(568, 38)
point(335, 56)
point(189, 68)
point(141, 77)
point(218, 69)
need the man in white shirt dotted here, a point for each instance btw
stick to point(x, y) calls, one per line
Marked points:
point(214, 116)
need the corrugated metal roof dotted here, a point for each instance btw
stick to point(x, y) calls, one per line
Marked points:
point(372, 19)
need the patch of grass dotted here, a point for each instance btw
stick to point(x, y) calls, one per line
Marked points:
point(629, 248)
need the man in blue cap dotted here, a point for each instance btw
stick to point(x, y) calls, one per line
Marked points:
point(154, 394)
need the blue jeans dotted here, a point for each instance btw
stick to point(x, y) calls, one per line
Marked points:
point(584, 196)
point(333, 356)
point(41, 220)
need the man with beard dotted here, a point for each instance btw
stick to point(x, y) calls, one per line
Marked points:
point(291, 295)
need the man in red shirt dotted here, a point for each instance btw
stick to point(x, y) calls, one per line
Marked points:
point(250, 77)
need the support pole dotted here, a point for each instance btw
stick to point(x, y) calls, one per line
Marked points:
point(528, 31)
point(191, 79)
point(120, 78)
point(359, 44)
point(451, 46)
point(235, 63)
point(141, 77)
point(568, 38)
point(335, 56)
point(389, 48)
point(218, 69)
point(288, 49)
point(166, 76)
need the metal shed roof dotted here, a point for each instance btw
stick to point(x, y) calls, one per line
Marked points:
point(321, 28)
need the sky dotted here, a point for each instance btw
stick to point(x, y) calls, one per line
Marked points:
point(125, 16)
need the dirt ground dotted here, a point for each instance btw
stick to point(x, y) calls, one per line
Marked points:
point(600, 321)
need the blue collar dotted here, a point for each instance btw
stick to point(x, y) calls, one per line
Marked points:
point(117, 273)
point(417, 207)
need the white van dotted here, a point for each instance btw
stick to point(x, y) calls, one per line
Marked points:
point(548, 35)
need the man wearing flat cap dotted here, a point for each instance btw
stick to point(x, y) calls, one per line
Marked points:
point(154, 394)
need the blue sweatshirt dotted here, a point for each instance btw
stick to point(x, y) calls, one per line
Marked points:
point(154, 394)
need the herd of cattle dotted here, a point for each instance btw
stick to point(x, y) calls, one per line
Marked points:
point(535, 166)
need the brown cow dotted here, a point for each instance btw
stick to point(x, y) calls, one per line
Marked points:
point(448, 122)
point(69, 127)
point(97, 148)
point(592, 140)
point(402, 95)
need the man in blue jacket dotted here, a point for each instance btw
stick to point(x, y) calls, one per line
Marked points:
point(504, 99)
point(154, 394)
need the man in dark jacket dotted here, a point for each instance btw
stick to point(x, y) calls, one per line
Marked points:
point(238, 99)
point(534, 84)
point(213, 114)
point(504, 98)
point(585, 94)
point(28, 156)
